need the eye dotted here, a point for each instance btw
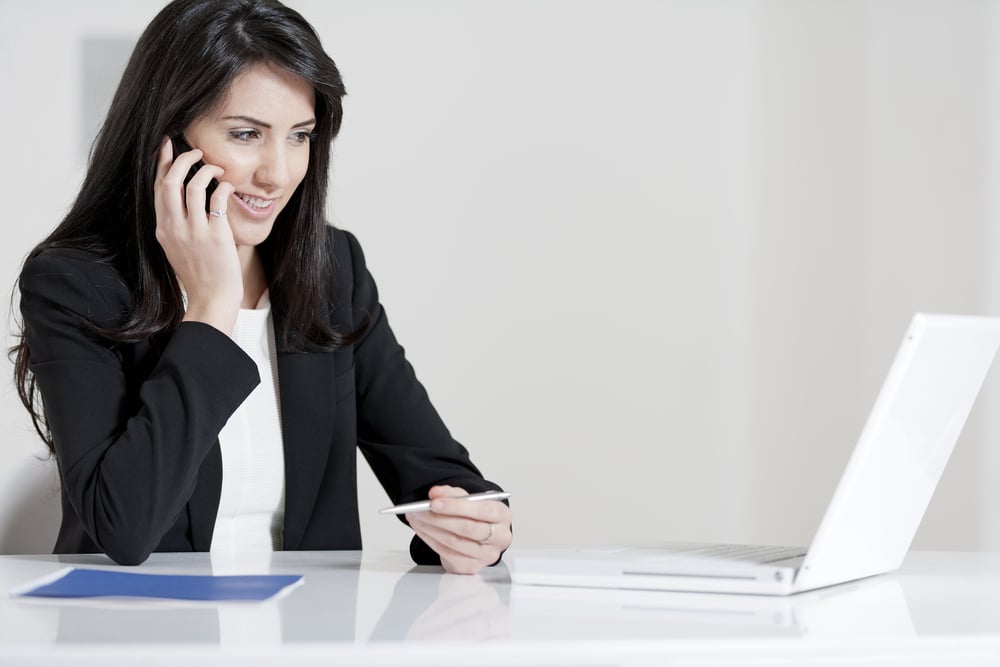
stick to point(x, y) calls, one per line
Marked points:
point(245, 135)
point(305, 136)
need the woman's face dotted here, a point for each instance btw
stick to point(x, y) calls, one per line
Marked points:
point(260, 136)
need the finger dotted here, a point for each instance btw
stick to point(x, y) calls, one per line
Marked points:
point(169, 188)
point(453, 561)
point(491, 511)
point(220, 199)
point(165, 157)
point(465, 558)
point(448, 530)
point(446, 491)
point(196, 194)
point(453, 531)
point(181, 165)
point(468, 529)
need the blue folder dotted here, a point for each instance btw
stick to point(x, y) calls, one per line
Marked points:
point(88, 583)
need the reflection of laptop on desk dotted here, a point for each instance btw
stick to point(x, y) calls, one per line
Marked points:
point(877, 506)
point(869, 608)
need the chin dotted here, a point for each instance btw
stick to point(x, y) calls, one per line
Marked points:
point(251, 234)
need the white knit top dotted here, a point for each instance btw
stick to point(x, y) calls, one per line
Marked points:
point(252, 506)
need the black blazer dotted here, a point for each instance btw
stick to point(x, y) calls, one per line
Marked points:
point(135, 426)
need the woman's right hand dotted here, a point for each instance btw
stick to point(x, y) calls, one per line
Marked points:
point(199, 247)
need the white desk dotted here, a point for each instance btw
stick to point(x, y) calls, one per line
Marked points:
point(939, 609)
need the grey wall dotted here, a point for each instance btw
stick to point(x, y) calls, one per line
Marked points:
point(651, 259)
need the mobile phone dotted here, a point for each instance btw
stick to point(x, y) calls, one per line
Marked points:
point(182, 146)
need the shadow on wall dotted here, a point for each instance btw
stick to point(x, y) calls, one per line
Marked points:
point(29, 508)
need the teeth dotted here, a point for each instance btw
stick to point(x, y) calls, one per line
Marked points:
point(255, 202)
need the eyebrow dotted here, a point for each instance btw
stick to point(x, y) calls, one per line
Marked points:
point(254, 121)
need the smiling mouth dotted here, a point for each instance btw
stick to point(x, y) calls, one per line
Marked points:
point(255, 202)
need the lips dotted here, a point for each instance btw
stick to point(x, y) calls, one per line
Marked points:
point(255, 208)
point(255, 202)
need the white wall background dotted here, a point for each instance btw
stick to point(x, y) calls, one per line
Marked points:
point(651, 258)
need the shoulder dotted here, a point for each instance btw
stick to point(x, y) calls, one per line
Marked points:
point(355, 291)
point(349, 267)
point(76, 279)
point(345, 249)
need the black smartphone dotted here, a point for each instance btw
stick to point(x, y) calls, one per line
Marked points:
point(182, 146)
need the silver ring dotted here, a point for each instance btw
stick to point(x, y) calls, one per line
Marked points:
point(217, 214)
point(489, 537)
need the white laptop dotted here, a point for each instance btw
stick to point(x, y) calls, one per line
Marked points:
point(875, 511)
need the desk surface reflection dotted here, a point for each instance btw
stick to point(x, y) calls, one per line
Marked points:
point(376, 608)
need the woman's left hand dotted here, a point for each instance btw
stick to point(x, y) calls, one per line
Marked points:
point(467, 535)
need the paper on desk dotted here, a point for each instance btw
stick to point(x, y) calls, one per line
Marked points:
point(88, 583)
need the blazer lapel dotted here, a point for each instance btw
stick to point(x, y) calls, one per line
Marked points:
point(306, 387)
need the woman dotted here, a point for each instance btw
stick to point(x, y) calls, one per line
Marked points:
point(204, 378)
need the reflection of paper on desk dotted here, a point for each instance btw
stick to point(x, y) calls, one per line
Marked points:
point(86, 583)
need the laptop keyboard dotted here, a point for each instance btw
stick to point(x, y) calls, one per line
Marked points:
point(751, 553)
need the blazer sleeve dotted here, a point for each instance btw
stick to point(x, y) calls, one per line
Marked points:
point(128, 441)
point(400, 433)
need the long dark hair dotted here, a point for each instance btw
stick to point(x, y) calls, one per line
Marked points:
point(180, 69)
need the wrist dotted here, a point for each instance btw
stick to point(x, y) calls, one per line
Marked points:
point(220, 316)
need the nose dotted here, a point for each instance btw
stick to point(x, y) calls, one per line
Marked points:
point(272, 170)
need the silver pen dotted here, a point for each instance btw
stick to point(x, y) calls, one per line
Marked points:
point(425, 505)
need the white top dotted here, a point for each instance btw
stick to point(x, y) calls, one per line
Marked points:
point(252, 506)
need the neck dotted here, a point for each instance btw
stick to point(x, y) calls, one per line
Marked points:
point(254, 279)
